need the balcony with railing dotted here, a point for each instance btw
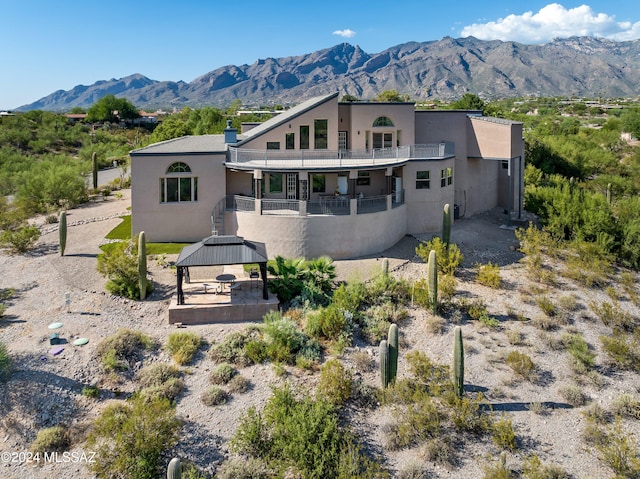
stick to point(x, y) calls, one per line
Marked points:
point(312, 159)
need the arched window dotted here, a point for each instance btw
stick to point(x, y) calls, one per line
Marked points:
point(179, 186)
point(382, 121)
point(179, 167)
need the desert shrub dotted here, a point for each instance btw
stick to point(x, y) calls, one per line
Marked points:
point(439, 450)
point(619, 451)
point(613, 316)
point(222, 374)
point(238, 384)
point(239, 347)
point(5, 362)
point(574, 395)
point(503, 434)
point(132, 437)
point(160, 381)
point(515, 337)
point(446, 288)
point(350, 296)
point(51, 439)
point(362, 361)
point(119, 264)
point(91, 392)
point(283, 340)
point(546, 323)
point(420, 293)
point(497, 469)
point(488, 275)
point(214, 396)
point(122, 348)
point(418, 422)
point(387, 289)
point(546, 305)
point(328, 323)
point(534, 469)
point(335, 382)
point(448, 259)
point(621, 351)
point(468, 414)
point(376, 319)
point(412, 470)
point(20, 238)
point(568, 302)
point(303, 434)
point(521, 364)
point(583, 358)
point(436, 324)
point(627, 406)
point(475, 309)
point(183, 346)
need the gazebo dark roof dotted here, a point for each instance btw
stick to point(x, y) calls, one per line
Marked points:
point(219, 251)
point(222, 250)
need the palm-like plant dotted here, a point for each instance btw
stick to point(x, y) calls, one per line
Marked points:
point(321, 271)
point(288, 279)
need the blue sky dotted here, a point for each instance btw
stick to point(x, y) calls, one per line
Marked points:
point(49, 46)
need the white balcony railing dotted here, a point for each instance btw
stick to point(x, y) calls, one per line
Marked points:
point(309, 159)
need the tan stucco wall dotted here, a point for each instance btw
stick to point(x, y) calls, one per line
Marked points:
point(311, 236)
point(165, 222)
point(358, 118)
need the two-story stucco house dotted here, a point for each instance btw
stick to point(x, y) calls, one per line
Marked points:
point(328, 177)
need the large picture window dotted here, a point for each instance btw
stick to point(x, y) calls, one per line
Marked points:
point(178, 186)
point(321, 134)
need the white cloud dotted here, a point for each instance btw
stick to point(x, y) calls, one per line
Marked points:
point(346, 33)
point(551, 22)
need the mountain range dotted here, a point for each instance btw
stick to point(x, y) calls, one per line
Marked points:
point(444, 69)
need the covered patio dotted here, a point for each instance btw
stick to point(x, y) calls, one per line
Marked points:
point(234, 295)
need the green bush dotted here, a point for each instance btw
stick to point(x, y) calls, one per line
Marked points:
point(503, 434)
point(328, 323)
point(119, 264)
point(237, 347)
point(619, 451)
point(301, 434)
point(183, 346)
point(621, 351)
point(583, 357)
point(222, 374)
point(521, 364)
point(546, 305)
point(627, 406)
point(574, 395)
point(133, 437)
point(5, 362)
point(243, 468)
point(488, 275)
point(448, 258)
point(214, 396)
point(122, 348)
point(51, 439)
point(91, 392)
point(335, 382)
point(238, 384)
point(160, 381)
point(19, 239)
point(534, 469)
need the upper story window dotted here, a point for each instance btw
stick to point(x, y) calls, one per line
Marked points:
point(446, 177)
point(290, 141)
point(321, 134)
point(273, 145)
point(382, 121)
point(178, 186)
point(423, 180)
point(304, 137)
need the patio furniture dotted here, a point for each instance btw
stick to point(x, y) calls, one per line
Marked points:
point(224, 279)
point(254, 275)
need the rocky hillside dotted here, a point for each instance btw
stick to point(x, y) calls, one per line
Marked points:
point(443, 69)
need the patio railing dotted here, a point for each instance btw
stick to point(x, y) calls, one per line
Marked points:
point(280, 207)
point(372, 204)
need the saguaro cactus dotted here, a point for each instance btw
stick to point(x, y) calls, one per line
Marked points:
point(385, 267)
point(458, 362)
point(609, 195)
point(62, 231)
point(432, 275)
point(174, 469)
point(94, 161)
point(142, 265)
point(384, 363)
point(392, 345)
point(446, 225)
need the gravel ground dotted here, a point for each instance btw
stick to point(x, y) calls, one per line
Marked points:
point(45, 390)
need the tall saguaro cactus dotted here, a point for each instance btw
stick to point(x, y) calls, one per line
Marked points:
point(446, 225)
point(458, 362)
point(174, 469)
point(384, 363)
point(142, 265)
point(94, 162)
point(385, 268)
point(392, 345)
point(62, 231)
point(432, 276)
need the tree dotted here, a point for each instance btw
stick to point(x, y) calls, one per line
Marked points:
point(469, 101)
point(112, 109)
point(391, 96)
point(347, 98)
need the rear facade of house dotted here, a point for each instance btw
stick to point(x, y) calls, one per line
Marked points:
point(329, 178)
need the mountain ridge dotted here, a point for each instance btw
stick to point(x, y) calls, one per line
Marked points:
point(439, 69)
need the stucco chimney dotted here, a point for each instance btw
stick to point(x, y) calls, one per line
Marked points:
point(230, 137)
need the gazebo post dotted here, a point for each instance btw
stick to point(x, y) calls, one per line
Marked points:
point(263, 273)
point(179, 279)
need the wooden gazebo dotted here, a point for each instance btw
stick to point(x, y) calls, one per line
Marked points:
point(219, 251)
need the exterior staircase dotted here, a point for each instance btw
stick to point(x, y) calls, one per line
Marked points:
point(217, 217)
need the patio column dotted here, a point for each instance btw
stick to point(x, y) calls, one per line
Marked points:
point(257, 183)
point(353, 177)
point(263, 274)
point(389, 177)
point(179, 285)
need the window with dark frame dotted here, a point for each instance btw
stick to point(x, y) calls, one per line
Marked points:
point(290, 141)
point(273, 145)
point(275, 183)
point(177, 188)
point(304, 137)
point(318, 183)
point(363, 178)
point(321, 134)
point(446, 177)
point(423, 180)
